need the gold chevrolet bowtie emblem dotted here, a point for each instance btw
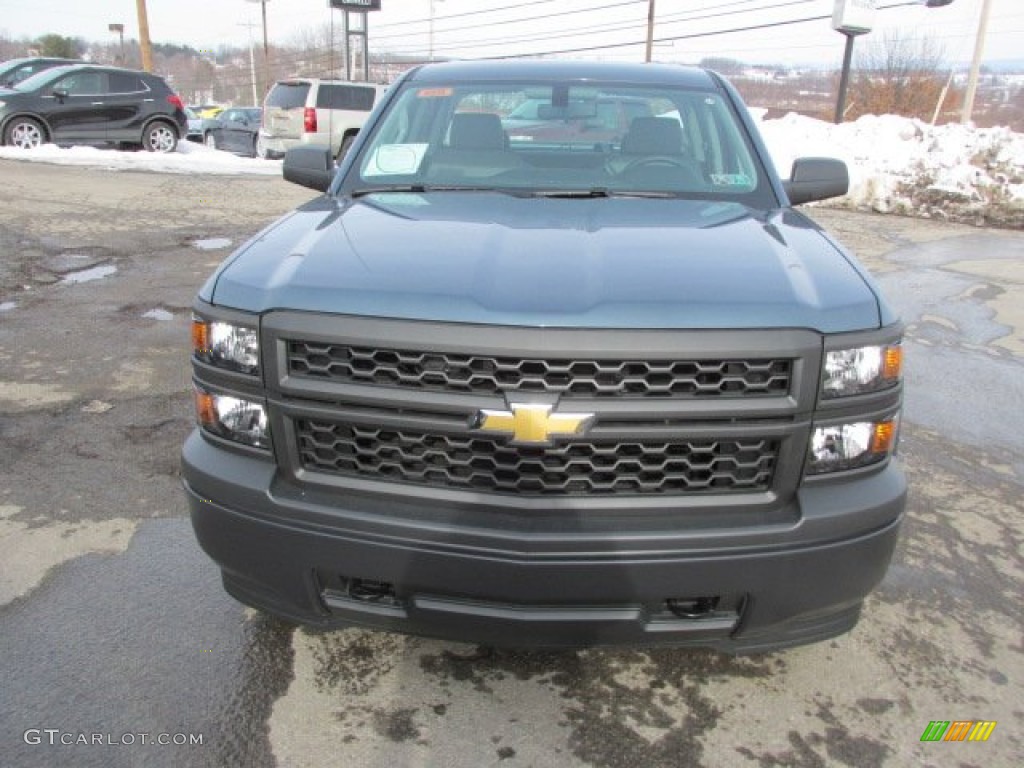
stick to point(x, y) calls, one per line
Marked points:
point(533, 423)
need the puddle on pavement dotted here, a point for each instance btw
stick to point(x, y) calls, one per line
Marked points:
point(211, 244)
point(88, 275)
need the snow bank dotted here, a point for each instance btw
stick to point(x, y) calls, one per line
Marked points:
point(189, 157)
point(906, 166)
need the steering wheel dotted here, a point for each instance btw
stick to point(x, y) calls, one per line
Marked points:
point(658, 160)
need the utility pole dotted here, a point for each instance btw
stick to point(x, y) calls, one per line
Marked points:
point(979, 49)
point(650, 30)
point(147, 49)
point(266, 46)
point(252, 62)
point(430, 33)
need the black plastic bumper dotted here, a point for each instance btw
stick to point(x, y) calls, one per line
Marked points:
point(737, 591)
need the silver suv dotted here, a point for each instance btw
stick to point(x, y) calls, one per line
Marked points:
point(313, 111)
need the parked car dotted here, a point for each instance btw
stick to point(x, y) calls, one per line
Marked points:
point(557, 393)
point(235, 130)
point(209, 111)
point(195, 125)
point(14, 71)
point(90, 104)
point(314, 111)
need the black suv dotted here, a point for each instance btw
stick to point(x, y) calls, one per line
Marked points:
point(14, 71)
point(88, 104)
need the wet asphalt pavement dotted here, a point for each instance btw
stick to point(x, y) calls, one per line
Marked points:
point(114, 623)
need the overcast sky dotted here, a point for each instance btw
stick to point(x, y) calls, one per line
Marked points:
point(533, 26)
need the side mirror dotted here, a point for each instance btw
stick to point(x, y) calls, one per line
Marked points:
point(60, 93)
point(816, 178)
point(311, 167)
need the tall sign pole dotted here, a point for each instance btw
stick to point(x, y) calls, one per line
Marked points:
point(851, 18)
point(360, 29)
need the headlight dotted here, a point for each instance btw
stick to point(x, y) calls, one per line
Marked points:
point(233, 418)
point(234, 347)
point(848, 446)
point(861, 370)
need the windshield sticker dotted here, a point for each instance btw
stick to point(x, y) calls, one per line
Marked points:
point(730, 180)
point(395, 160)
point(434, 93)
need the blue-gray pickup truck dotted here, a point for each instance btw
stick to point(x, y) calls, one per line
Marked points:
point(594, 382)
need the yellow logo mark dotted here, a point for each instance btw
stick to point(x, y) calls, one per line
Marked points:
point(982, 730)
point(533, 423)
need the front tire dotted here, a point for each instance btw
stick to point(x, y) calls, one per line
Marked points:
point(25, 132)
point(160, 137)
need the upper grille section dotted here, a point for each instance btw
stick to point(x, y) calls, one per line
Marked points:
point(489, 374)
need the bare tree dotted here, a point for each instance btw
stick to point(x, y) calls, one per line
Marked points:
point(900, 75)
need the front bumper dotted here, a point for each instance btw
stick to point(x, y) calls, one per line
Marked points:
point(354, 559)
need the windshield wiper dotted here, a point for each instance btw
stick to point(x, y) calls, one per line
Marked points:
point(595, 192)
point(425, 188)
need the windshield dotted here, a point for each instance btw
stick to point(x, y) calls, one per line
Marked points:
point(562, 138)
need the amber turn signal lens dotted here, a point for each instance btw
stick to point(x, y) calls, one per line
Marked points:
point(200, 337)
point(885, 437)
point(892, 366)
point(206, 411)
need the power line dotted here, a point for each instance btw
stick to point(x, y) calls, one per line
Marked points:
point(609, 27)
point(466, 13)
point(619, 4)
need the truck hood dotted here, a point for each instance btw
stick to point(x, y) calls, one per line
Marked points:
point(490, 258)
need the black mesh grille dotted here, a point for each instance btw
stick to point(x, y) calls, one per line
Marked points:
point(576, 468)
point(484, 374)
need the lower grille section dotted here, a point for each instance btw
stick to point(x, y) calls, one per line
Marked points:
point(678, 467)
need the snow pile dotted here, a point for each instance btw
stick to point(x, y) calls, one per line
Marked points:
point(906, 166)
point(189, 157)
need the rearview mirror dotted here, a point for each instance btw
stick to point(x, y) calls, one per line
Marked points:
point(311, 167)
point(816, 178)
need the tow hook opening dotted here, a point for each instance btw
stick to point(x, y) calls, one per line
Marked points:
point(692, 607)
point(371, 591)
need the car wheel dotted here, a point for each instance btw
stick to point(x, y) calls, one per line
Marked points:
point(210, 140)
point(25, 132)
point(160, 137)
